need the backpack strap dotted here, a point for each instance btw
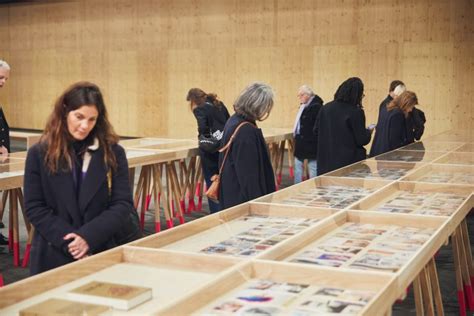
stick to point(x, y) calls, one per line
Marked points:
point(227, 146)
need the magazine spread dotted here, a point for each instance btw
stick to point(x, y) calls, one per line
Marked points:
point(268, 232)
point(332, 196)
point(266, 297)
point(365, 246)
point(427, 203)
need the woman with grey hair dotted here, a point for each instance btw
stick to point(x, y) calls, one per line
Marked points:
point(4, 129)
point(245, 168)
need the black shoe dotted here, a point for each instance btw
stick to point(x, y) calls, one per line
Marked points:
point(3, 240)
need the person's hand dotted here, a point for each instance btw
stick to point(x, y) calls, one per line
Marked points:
point(78, 247)
point(3, 150)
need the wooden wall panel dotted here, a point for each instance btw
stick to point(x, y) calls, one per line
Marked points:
point(146, 54)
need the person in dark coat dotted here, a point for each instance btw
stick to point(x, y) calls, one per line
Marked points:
point(396, 88)
point(4, 130)
point(211, 116)
point(392, 131)
point(415, 125)
point(306, 143)
point(340, 128)
point(76, 187)
point(247, 172)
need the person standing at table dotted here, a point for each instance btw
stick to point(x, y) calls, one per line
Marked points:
point(247, 171)
point(76, 185)
point(340, 128)
point(392, 131)
point(306, 143)
point(4, 130)
point(211, 116)
point(396, 88)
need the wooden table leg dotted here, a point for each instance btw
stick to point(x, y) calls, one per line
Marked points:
point(457, 271)
point(433, 274)
point(468, 250)
point(4, 202)
point(426, 292)
point(199, 184)
point(131, 178)
point(192, 184)
point(169, 194)
point(26, 257)
point(291, 158)
point(177, 191)
point(418, 297)
point(15, 227)
point(156, 193)
point(464, 268)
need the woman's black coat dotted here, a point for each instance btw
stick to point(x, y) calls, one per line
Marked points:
point(247, 172)
point(391, 133)
point(306, 143)
point(54, 209)
point(211, 120)
point(4, 131)
point(341, 136)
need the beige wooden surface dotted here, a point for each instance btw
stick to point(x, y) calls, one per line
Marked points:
point(165, 48)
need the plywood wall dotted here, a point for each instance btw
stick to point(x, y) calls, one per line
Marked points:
point(146, 54)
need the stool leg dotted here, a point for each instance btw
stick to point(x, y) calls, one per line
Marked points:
point(1, 280)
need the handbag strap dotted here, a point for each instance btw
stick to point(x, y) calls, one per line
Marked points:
point(227, 146)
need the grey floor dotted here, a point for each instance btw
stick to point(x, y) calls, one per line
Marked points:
point(444, 259)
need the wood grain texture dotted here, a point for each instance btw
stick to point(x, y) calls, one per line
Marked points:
point(145, 55)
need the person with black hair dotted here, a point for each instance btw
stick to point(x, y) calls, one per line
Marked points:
point(211, 115)
point(340, 128)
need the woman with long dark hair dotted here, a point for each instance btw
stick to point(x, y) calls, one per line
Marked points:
point(77, 193)
point(340, 128)
point(211, 116)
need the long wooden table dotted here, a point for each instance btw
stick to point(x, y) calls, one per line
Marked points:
point(198, 257)
point(160, 160)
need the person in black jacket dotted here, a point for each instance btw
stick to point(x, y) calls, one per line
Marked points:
point(415, 125)
point(211, 115)
point(396, 88)
point(340, 128)
point(76, 187)
point(4, 129)
point(247, 172)
point(306, 144)
point(392, 131)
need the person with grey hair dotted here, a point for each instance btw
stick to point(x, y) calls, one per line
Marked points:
point(306, 143)
point(245, 167)
point(4, 129)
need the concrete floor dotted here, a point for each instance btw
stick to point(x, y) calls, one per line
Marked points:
point(444, 259)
